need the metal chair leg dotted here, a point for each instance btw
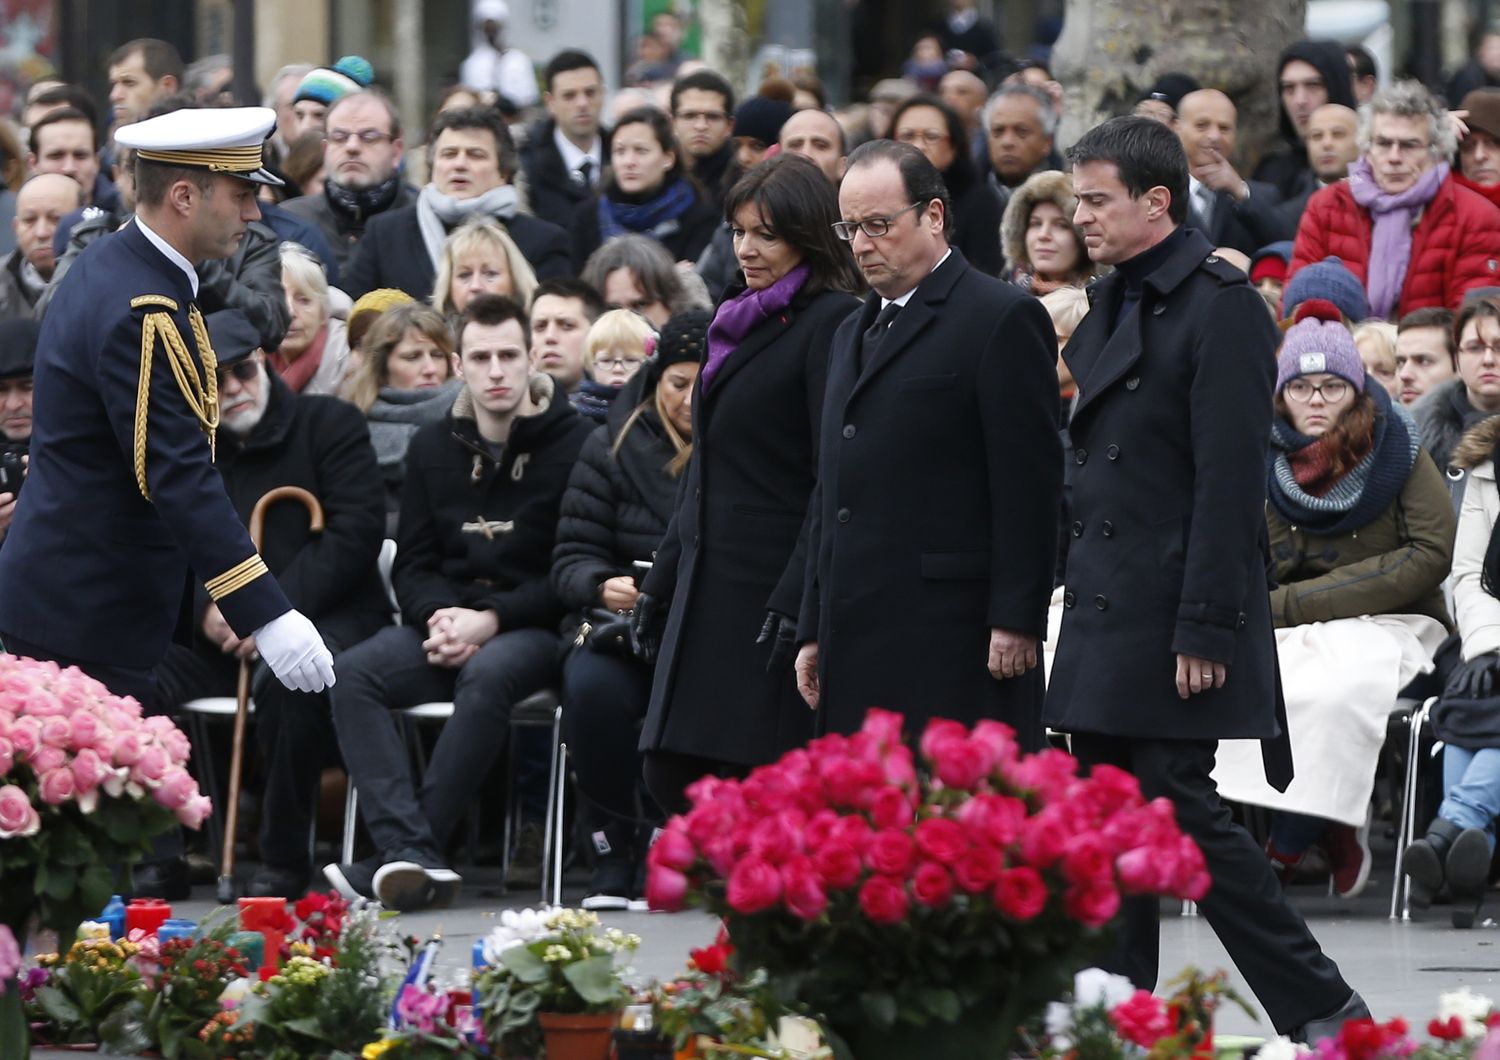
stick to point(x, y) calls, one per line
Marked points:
point(351, 809)
point(559, 765)
point(547, 829)
point(1406, 832)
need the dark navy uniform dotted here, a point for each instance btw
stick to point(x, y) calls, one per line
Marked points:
point(122, 497)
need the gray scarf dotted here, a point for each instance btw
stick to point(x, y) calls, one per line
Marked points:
point(437, 213)
point(397, 414)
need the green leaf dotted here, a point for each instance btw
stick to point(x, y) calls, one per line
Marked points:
point(15, 1037)
point(57, 1006)
point(941, 1004)
point(879, 1008)
point(524, 965)
point(594, 979)
point(95, 886)
point(60, 882)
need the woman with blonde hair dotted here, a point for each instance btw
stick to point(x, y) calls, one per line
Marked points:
point(314, 353)
point(404, 381)
point(480, 257)
point(1376, 342)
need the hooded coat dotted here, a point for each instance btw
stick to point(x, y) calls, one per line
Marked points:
point(1443, 414)
point(1051, 186)
point(1288, 169)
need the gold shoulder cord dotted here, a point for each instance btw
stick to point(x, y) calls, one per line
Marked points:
point(202, 393)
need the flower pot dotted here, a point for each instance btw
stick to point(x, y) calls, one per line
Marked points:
point(979, 1032)
point(581, 1036)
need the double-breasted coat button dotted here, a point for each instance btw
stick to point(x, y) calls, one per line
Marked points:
point(849, 430)
point(1080, 455)
point(1101, 602)
point(1077, 529)
point(1113, 452)
point(1069, 599)
point(1239, 622)
point(1133, 382)
point(843, 515)
point(1108, 529)
point(1159, 309)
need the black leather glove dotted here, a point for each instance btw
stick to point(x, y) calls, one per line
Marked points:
point(1477, 679)
point(646, 630)
point(780, 631)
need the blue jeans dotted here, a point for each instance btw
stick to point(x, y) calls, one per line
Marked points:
point(1472, 781)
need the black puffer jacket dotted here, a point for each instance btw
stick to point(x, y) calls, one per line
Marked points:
point(477, 530)
point(617, 505)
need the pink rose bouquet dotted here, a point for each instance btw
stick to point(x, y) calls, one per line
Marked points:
point(85, 783)
point(889, 890)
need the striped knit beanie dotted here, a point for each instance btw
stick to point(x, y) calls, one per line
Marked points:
point(328, 83)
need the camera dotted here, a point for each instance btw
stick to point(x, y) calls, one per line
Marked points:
point(12, 472)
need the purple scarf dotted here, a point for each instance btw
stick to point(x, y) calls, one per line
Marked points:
point(1390, 244)
point(743, 313)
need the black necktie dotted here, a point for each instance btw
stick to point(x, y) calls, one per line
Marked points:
point(585, 172)
point(870, 344)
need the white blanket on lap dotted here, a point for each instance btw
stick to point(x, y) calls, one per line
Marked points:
point(1340, 680)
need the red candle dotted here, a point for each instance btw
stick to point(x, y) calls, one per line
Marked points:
point(269, 917)
point(146, 914)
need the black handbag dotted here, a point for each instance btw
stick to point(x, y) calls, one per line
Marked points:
point(604, 631)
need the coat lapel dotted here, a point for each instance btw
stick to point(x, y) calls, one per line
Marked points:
point(767, 332)
point(914, 317)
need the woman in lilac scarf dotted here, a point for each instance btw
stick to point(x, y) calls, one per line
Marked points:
point(717, 610)
point(1413, 236)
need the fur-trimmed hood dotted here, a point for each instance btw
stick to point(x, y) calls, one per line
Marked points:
point(1477, 445)
point(1050, 185)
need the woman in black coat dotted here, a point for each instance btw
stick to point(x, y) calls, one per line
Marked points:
point(728, 576)
point(935, 129)
point(648, 190)
point(619, 499)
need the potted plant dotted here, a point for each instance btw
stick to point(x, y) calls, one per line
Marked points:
point(553, 981)
point(85, 783)
point(920, 912)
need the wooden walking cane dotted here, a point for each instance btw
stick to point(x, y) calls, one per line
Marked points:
point(242, 691)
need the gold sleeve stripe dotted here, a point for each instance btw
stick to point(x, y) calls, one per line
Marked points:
point(153, 299)
point(236, 577)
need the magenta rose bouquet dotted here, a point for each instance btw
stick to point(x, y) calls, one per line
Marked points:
point(911, 900)
point(85, 783)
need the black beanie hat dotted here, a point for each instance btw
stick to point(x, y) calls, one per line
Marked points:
point(762, 118)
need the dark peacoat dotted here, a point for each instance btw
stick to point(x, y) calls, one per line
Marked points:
point(1167, 487)
point(393, 254)
point(733, 549)
point(935, 517)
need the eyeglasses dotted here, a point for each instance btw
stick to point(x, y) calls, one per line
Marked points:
point(915, 136)
point(244, 371)
point(701, 117)
point(616, 364)
point(1478, 349)
point(874, 227)
point(1332, 392)
point(368, 137)
point(1384, 144)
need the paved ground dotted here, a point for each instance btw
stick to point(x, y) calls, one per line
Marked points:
point(1400, 967)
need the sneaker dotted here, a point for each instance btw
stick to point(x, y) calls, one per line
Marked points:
point(610, 889)
point(353, 880)
point(1349, 855)
point(415, 880)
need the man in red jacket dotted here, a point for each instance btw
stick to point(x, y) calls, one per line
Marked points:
point(1411, 234)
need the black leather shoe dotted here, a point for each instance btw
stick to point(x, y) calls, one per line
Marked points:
point(1315, 1030)
point(168, 880)
point(1424, 861)
point(271, 881)
point(1467, 867)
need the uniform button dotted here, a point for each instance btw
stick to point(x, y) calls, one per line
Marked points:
point(1077, 529)
point(1101, 602)
point(1080, 455)
point(1113, 452)
point(1239, 622)
point(1212, 259)
point(848, 430)
point(1108, 529)
point(1133, 382)
point(1160, 308)
point(1069, 599)
point(843, 515)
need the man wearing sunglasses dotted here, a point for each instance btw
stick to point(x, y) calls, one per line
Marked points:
point(362, 154)
point(270, 437)
point(934, 526)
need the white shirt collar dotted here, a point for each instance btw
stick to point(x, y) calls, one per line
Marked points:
point(573, 157)
point(170, 251)
point(907, 296)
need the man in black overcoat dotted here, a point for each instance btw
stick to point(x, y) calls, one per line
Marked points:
point(939, 475)
point(1167, 645)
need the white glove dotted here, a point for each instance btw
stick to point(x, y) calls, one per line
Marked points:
point(295, 652)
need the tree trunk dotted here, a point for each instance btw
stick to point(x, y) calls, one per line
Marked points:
point(1111, 51)
point(726, 39)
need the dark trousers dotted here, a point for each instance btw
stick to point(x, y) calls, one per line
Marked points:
point(122, 681)
point(1266, 938)
point(606, 698)
point(390, 671)
point(670, 773)
point(294, 736)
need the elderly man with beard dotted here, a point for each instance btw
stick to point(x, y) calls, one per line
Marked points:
point(362, 152)
point(270, 437)
point(42, 202)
